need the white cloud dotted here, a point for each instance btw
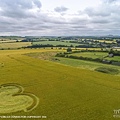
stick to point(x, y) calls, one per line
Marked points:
point(60, 9)
point(28, 17)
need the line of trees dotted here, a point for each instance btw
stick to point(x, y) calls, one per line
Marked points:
point(47, 45)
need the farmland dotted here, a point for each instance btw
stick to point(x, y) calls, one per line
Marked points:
point(89, 54)
point(84, 64)
point(54, 43)
point(117, 58)
point(94, 55)
point(15, 42)
point(37, 82)
point(14, 45)
point(64, 92)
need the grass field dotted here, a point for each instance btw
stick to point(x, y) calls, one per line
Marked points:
point(64, 92)
point(84, 64)
point(96, 55)
point(91, 54)
point(116, 58)
point(55, 43)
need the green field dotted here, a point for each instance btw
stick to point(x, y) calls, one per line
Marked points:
point(91, 54)
point(91, 65)
point(64, 92)
point(55, 43)
point(95, 55)
point(116, 58)
point(84, 64)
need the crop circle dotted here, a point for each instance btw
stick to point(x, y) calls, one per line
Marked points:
point(13, 99)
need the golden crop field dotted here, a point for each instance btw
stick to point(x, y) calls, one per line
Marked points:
point(107, 41)
point(7, 41)
point(53, 90)
point(15, 44)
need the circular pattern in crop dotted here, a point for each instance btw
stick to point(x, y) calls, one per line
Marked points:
point(12, 99)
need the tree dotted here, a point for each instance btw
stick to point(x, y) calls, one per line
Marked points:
point(69, 49)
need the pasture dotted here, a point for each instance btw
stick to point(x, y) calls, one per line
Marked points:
point(90, 65)
point(116, 58)
point(54, 43)
point(64, 92)
point(91, 54)
point(94, 55)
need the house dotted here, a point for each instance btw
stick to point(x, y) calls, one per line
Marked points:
point(111, 55)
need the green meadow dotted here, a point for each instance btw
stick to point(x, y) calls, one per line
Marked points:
point(116, 58)
point(91, 54)
point(96, 55)
point(85, 64)
point(55, 43)
point(56, 90)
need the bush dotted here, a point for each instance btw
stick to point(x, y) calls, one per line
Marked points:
point(107, 70)
point(69, 49)
point(60, 55)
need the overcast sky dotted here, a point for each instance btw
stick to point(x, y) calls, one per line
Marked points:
point(59, 17)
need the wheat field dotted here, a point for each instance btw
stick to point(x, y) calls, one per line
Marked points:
point(55, 90)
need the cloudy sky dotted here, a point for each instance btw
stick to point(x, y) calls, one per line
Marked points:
point(59, 17)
